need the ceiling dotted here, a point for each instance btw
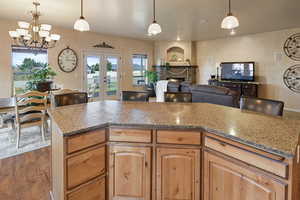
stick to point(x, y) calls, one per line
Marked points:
point(186, 19)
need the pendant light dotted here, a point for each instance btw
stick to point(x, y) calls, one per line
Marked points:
point(230, 21)
point(81, 24)
point(154, 28)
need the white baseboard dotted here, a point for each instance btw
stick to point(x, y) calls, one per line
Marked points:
point(291, 109)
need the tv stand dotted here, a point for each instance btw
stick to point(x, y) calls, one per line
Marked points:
point(242, 88)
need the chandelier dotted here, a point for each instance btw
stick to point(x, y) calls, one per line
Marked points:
point(34, 34)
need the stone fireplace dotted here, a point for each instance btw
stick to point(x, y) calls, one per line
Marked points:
point(178, 73)
point(175, 60)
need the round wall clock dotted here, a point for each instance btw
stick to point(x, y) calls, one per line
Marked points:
point(292, 47)
point(67, 60)
point(291, 78)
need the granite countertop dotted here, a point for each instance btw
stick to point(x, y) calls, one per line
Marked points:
point(272, 134)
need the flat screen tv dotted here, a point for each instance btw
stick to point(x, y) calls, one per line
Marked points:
point(237, 71)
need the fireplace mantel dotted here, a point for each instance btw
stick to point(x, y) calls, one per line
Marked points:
point(183, 73)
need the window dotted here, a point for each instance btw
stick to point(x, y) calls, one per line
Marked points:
point(24, 62)
point(140, 63)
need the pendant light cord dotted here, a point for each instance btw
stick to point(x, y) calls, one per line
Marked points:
point(154, 11)
point(81, 8)
point(229, 7)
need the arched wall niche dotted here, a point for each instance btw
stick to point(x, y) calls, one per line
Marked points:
point(175, 54)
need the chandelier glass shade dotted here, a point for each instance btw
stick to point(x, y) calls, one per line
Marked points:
point(230, 21)
point(34, 34)
point(154, 28)
point(81, 24)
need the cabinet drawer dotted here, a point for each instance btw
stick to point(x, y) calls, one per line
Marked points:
point(92, 191)
point(130, 135)
point(83, 167)
point(78, 142)
point(178, 137)
point(276, 167)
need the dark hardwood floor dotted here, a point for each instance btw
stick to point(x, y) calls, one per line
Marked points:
point(26, 176)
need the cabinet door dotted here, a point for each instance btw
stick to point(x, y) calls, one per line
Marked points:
point(178, 174)
point(130, 173)
point(226, 180)
point(92, 191)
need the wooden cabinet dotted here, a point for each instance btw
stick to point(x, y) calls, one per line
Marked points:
point(130, 135)
point(85, 140)
point(228, 180)
point(178, 174)
point(179, 137)
point(92, 191)
point(84, 167)
point(242, 88)
point(130, 173)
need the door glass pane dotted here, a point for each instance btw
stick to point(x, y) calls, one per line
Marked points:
point(93, 76)
point(112, 76)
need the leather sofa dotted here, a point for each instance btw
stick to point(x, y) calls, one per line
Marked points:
point(207, 93)
point(215, 95)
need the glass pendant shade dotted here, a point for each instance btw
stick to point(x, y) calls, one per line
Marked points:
point(81, 25)
point(13, 34)
point(23, 25)
point(46, 27)
point(230, 22)
point(154, 29)
point(22, 32)
point(27, 37)
point(43, 34)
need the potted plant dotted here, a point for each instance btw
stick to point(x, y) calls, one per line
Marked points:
point(41, 79)
point(152, 77)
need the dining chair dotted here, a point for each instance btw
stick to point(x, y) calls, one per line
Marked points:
point(69, 98)
point(266, 106)
point(135, 96)
point(178, 97)
point(30, 110)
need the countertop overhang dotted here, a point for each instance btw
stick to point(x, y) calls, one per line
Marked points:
point(271, 134)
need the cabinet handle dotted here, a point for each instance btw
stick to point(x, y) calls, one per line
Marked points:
point(298, 154)
point(146, 164)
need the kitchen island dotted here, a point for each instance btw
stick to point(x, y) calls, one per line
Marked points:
point(135, 150)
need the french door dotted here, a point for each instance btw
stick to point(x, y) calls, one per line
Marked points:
point(102, 76)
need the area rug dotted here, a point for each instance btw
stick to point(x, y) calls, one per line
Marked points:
point(31, 139)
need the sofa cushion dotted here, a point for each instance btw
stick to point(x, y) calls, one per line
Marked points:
point(185, 86)
point(173, 86)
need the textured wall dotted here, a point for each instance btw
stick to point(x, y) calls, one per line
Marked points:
point(266, 49)
point(80, 42)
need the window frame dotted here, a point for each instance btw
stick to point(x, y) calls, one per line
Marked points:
point(20, 49)
point(143, 56)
